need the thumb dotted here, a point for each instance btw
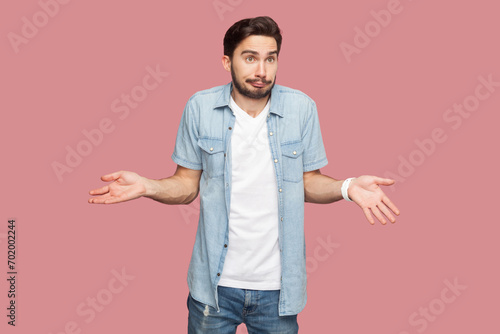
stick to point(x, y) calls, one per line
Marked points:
point(384, 182)
point(111, 176)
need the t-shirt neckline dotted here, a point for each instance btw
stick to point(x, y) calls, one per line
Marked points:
point(236, 108)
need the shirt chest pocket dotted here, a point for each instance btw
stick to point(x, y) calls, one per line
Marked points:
point(292, 161)
point(213, 159)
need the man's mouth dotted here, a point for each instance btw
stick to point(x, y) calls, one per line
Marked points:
point(258, 84)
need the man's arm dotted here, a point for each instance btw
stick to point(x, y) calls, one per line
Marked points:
point(321, 189)
point(363, 190)
point(180, 188)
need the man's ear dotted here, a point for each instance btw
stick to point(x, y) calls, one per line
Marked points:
point(226, 62)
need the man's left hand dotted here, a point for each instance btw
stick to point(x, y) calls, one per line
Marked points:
point(366, 193)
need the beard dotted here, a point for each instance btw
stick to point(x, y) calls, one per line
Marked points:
point(258, 94)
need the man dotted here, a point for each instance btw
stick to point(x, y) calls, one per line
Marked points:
point(252, 150)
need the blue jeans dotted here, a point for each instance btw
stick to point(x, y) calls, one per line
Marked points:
point(257, 309)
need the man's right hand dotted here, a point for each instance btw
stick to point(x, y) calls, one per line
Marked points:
point(124, 186)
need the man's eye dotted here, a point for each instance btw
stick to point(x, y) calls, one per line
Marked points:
point(249, 59)
point(270, 60)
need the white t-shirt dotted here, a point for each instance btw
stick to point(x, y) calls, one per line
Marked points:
point(253, 257)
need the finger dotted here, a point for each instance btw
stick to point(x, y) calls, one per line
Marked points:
point(99, 191)
point(99, 200)
point(93, 200)
point(115, 199)
point(383, 181)
point(111, 176)
point(376, 212)
point(368, 215)
point(386, 212)
point(391, 205)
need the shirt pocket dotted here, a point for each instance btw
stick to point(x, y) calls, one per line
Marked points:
point(212, 156)
point(292, 161)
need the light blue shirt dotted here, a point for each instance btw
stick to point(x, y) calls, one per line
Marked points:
point(204, 143)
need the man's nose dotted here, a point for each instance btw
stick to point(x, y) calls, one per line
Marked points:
point(261, 70)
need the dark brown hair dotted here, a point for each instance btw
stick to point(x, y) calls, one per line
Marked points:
point(261, 25)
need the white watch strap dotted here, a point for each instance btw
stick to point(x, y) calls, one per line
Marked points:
point(345, 186)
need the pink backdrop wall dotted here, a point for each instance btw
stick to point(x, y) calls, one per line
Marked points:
point(389, 92)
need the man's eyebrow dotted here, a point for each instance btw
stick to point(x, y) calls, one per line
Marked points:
point(275, 52)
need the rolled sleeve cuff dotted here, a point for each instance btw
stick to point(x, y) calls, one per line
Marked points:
point(315, 165)
point(185, 163)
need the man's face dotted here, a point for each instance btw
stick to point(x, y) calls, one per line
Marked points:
point(254, 66)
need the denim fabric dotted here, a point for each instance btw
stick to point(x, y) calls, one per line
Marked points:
point(204, 143)
point(257, 309)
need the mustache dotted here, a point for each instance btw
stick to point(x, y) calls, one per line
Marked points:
point(259, 80)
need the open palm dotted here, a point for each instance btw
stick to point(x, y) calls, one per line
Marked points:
point(125, 186)
point(366, 193)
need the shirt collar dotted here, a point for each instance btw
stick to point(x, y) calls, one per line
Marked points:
point(225, 95)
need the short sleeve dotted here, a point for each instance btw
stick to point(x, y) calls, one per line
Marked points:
point(187, 153)
point(314, 155)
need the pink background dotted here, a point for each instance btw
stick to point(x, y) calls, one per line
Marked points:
point(372, 109)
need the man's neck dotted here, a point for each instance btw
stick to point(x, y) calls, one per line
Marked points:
point(252, 107)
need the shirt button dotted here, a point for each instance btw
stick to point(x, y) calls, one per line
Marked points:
point(230, 128)
point(268, 115)
point(218, 274)
point(211, 148)
point(270, 133)
point(294, 152)
point(225, 245)
point(281, 218)
point(224, 154)
point(280, 189)
point(275, 160)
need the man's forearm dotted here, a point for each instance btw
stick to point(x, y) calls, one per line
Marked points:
point(171, 190)
point(322, 189)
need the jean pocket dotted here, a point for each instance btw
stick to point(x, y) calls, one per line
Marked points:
point(292, 161)
point(212, 156)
